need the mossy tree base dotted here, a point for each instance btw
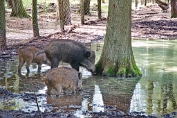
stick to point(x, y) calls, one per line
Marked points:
point(18, 10)
point(20, 15)
point(112, 69)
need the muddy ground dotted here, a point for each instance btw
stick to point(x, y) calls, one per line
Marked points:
point(147, 23)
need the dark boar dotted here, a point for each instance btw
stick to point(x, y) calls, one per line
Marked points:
point(69, 51)
point(26, 54)
point(63, 79)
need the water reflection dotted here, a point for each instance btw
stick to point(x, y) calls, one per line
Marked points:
point(98, 104)
point(154, 93)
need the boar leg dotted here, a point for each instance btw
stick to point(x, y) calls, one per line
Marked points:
point(21, 63)
point(28, 62)
point(39, 67)
point(54, 62)
point(75, 66)
point(49, 89)
point(58, 90)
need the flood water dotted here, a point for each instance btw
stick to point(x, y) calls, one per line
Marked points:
point(155, 93)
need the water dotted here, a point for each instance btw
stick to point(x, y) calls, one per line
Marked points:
point(152, 94)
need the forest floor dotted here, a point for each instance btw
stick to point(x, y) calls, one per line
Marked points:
point(147, 23)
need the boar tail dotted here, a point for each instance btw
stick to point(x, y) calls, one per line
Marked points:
point(38, 53)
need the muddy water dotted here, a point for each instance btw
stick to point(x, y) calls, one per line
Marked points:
point(155, 93)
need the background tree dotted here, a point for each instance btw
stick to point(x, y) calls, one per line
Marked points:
point(82, 11)
point(87, 7)
point(9, 3)
point(18, 10)
point(60, 14)
point(66, 12)
point(2, 26)
point(173, 9)
point(99, 9)
point(117, 56)
point(34, 18)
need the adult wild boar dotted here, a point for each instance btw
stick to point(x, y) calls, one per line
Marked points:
point(69, 51)
point(26, 54)
point(63, 80)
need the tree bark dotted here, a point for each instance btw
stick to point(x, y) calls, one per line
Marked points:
point(2, 26)
point(82, 11)
point(173, 9)
point(18, 10)
point(99, 9)
point(87, 7)
point(34, 19)
point(66, 12)
point(117, 57)
point(9, 3)
point(61, 16)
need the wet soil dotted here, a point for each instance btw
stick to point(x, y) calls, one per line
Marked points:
point(147, 22)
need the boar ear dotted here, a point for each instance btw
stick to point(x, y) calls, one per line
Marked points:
point(80, 75)
point(87, 54)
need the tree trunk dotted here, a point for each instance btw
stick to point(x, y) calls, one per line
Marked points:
point(34, 19)
point(87, 7)
point(2, 26)
point(61, 16)
point(173, 9)
point(136, 4)
point(67, 12)
point(99, 9)
point(9, 3)
point(18, 10)
point(82, 11)
point(117, 57)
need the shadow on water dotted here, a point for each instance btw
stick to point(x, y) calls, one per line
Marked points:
point(152, 94)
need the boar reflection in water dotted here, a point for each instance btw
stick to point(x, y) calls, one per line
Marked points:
point(27, 54)
point(63, 80)
point(68, 102)
point(69, 51)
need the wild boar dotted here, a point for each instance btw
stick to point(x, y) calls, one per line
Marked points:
point(26, 54)
point(63, 80)
point(69, 51)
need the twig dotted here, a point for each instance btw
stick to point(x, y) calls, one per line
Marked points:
point(37, 104)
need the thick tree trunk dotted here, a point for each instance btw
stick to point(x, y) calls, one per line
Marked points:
point(173, 9)
point(2, 26)
point(117, 55)
point(18, 10)
point(34, 19)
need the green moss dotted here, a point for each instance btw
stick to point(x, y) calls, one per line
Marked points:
point(111, 72)
point(136, 70)
point(122, 71)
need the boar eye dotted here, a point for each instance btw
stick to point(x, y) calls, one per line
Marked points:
point(87, 54)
